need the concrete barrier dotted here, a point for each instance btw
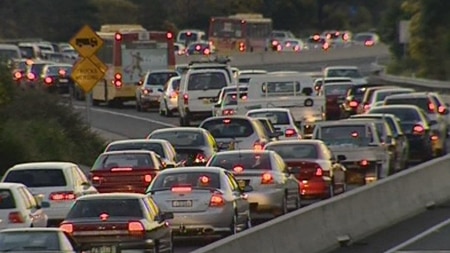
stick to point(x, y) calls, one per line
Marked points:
point(266, 58)
point(354, 215)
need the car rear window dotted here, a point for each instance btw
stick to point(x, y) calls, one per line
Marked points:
point(181, 138)
point(229, 128)
point(296, 151)
point(193, 179)
point(155, 147)
point(276, 117)
point(6, 199)
point(421, 102)
point(248, 161)
point(123, 161)
point(207, 81)
point(37, 177)
point(404, 114)
point(160, 78)
point(114, 207)
point(354, 135)
point(336, 90)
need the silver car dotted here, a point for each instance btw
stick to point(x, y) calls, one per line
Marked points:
point(168, 101)
point(275, 190)
point(236, 132)
point(204, 201)
point(282, 120)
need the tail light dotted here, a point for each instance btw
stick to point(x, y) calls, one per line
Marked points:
point(267, 178)
point(418, 130)
point(319, 172)
point(296, 48)
point(434, 137)
point(279, 47)
point(31, 76)
point(147, 91)
point(17, 75)
point(242, 46)
point(353, 104)
point(181, 189)
point(61, 196)
point(216, 200)
point(48, 80)
point(431, 107)
point(118, 80)
point(135, 227)
point(442, 110)
point(368, 43)
point(364, 163)
point(274, 43)
point(96, 180)
point(290, 133)
point(15, 217)
point(68, 228)
point(173, 94)
point(258, 146)
point(206, 51)
point(148, 178)
point(62, 72)
point(186, 99)
point(366, 107)
point(228, 112)
point(200, 158)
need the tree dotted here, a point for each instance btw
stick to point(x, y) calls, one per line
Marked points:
point(112, 11)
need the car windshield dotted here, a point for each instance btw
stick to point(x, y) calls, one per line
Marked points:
point(155, 147)
point(351, 73)
point(247, 160)
point(352, 135)
point(336, 89)
point(181, 138)
point(30, 241)
point(404, 114)
point(191, 178)
point(358, 93)
point(421, 102)
point(207, 81)
point(123, 161)
point(228, 128)
point(37, 177)
point(6, 199)
point(381, 95)
point(296, 151)
point(160, 78)
point(114, 207)
point(276, 117)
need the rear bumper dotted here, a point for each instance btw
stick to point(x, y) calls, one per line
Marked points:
point(202, 223)
point(149, 101)
point(265, 200)
point(314, 189)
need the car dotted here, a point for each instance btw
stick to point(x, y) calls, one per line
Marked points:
point(244, 72)
point(115, 222)
point(400, 142)
point(416, 128)
point(59, 184)
point(33, 73)
point(443, 108)
point(364, 106)
point(277, 36)
point(335, 94)
point(162, 148)
point(354, 97)
point(380, 94)
point(320, 173)
point(57, 78)
point(320, 81)
point(275, 191)
point(169, 98)
point(352, 72)
point(194, 146)
point(437, 123)
point(367, 158)
point(229, 103)
point(19, 208)
point(149, 91)
point(125, 171)
point(367, 39)
point(205, 201)
point(282, 120)
point(236, 132)
point(219, 100)
point(200, 48)
point(291, 45)
point(316, 41)
point(34, 239)
point(179, 48)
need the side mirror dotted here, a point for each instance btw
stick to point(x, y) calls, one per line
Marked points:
point(275, 134)
point(341, 158)
point(432, 122)
point(247, 188)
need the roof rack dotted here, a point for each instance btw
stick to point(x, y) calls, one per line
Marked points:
point(217, 59)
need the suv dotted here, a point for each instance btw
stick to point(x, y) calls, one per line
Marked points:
point(198, 90)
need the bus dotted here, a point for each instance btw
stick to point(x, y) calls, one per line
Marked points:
point(130, 51)
point(240, 33)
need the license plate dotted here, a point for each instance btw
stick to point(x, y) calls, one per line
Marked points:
point(63, 80)
point(182, 203)
point(104, 249)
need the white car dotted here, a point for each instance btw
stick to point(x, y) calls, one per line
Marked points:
point(180, 49)
point(168, 103)
point(60, 183)
point(366, 39)
point(19, 208)
point(282, 120)
point(291, 45)
point(352, 72)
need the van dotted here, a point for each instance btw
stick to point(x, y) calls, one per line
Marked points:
point(198, 90)
point(9, 52)
point(30, 51)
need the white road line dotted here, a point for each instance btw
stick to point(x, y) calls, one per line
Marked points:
point(418, 237)
point(127, 116)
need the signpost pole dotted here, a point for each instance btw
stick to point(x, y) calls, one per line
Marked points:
point(88, 98)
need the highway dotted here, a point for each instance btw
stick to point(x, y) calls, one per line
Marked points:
point(128, 123)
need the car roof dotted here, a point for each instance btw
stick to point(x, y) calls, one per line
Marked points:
point(7, 185)
point(387, 89)
point(409, 95)
point(228, 117)
point(304, 141)
point(194, 169)
point(286, 110)
point(156, 71)
point(60, 65)
point(174, 129)
point(341, 67)
point(244, 151)
point(363, 120)
point(42, 165)
point(396, 107)
point(161, 141)
point(129, 152)
point(114, 195)
point(343, 122)
point(374, 115)
point(33, 229)
point(332, 78)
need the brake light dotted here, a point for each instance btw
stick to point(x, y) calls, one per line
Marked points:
point(366, 107)
point(174, 94)
point(296, 48)
point(68, 228)
point(121, 169)
point(257, 146)
point(216, 200)
point(238, 169)
point(48, 80)
point(31, 76)
point(228, 112)
point(274, 43)
point(431, 107)
point(364, 163)
point(368, 43)
point(267, 178)
point(319, 172)
point(118, 80)
point(15, 217)
point(104, 217)
point(62, 72)
point(181, 189)
point(118, 36)
point(442, 109)
point(148, 178)
point(290, 133)
point(418, 130)
point(242, 46)
point(200, 158)
point(17, 75)
point(135, 227)
point(61, 196)
point(434, 137)
point(226, 121)
point(279, 47)
point(353, 104)
point(146, 91)
point(186, 99)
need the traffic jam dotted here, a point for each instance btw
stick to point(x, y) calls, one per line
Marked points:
point(251, 145)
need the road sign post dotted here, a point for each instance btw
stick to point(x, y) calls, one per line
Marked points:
point(89, 70)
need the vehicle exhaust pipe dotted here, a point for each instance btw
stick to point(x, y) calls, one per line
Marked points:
point(207, 231)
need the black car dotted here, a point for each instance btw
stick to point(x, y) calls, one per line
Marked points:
point(355, 95)
point(113, 222)
point(56, 78)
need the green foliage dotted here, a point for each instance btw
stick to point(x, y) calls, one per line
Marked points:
point(7, 87)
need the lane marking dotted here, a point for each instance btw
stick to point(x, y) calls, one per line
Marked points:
point(418, 237)
point(127, 116)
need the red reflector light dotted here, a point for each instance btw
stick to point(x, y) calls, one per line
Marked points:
point(68, 228)
point(135, 226)
point(353, 104)
point(121, 169)
point(266, 178)
point(15, 217)
point(364, 163)
point(181, 189)
point(319, 172)
point(238, 169)
point(61, 196)
point(216, 201)
point(290, 132)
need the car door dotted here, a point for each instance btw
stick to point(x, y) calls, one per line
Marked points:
point(242, 204)
point(38, 217)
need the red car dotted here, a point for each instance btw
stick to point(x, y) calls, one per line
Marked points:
point(335, 94)
point(320, 174)
point(125, 171)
